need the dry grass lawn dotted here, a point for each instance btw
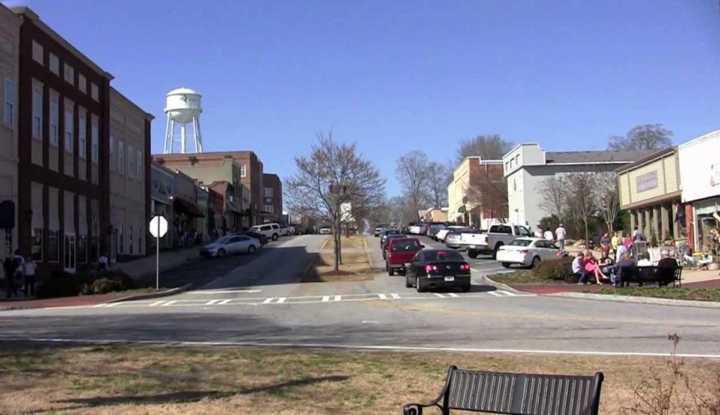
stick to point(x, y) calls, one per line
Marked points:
point(355, 266)
point(132, 379)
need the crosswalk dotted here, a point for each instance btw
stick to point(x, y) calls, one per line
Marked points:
point(188, 301)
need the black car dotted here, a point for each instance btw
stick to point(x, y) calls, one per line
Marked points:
point(438, 268)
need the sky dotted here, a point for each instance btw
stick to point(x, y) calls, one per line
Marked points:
point(397, 76)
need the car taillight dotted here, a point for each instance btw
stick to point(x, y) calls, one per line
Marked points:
point(430, 268)
point(465, 267)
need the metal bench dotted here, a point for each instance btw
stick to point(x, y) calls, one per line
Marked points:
point(515, 394)
point(652, 274)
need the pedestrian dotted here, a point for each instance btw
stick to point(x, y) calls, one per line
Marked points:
point(615, 241)
point(560, 236)
point(624, 267)
point(578, 268)
point(605, 245)
point(539, 232)
point(103, 262)
point(9, 270)
point(30, 270)
point(19, 264)
point(593, 268)
point(548, 235)
point(637, 235)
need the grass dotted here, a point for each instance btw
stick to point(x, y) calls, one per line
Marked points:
point(697, 294)
point(131, 379)
point(355, 265)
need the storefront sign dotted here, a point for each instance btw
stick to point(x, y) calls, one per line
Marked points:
point(647, 181)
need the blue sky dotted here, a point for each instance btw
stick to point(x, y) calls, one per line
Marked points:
point(395, 76)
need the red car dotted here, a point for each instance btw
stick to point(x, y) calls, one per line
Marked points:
point(400, 251)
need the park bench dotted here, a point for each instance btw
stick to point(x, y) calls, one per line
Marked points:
point(515, 394)
point(659, 275)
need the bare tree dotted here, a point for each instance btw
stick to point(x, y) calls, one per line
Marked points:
point(490, 193)
point(488, 146)
point(608, 198)
point(332, 175)
point(581, 199)
point(412, 173)
point(642, 137)
point(438, 180)
point(554, 195)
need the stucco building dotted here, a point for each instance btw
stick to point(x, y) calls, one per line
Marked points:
point(650, 190)
point(699, 161)
point(477, 193)
point(9, 76)
point(527, 166)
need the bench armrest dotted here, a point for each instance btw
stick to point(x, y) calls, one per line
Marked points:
point(417, 408)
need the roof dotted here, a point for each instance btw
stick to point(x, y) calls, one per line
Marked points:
point(647, 159)
point(563, 157)
point(119, 94)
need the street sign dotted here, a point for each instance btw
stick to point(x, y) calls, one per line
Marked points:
point(158, 226)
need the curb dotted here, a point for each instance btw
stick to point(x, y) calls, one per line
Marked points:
point(149, 296)
point(638, 300)
point(504, 286)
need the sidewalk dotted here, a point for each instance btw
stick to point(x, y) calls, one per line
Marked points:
point(145, 266)
point(81, 300)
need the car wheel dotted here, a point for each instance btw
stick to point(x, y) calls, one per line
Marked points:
point(417, 285)
point(275, 237)
point(251, 249)
point(506, 264)
point(472, 254)
point(221, 253)
point(535, 262)
point(495, 251)
point(407, 283)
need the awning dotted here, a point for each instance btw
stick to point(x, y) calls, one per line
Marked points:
point(187, 206)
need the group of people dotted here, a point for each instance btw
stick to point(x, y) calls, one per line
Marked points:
point(616, 255)
point(19, 271)
point(558, 235)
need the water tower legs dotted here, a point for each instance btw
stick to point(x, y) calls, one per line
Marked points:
point(196, 133)
point(183, 148)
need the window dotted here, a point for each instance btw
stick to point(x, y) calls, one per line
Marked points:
point(82, 83)
point(69, 127)
point(82, 133)
point(54, 64)
point(130, 161)
point(94, 92)
point(514, 184)
point(113, 154)
point(37, 53)
point(268, 192)
point(94, 137)
point(53, 238)
point(69, 74)
point(9, 107)
point(54, 114)
point(38, 222)
point(37, 110)
point(242, 170)
point(269, 208)
point(121, 157)
point(140, 166)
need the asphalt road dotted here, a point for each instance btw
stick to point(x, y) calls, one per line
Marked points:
point(263, 302)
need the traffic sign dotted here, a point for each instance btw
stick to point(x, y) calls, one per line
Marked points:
point(158, 226)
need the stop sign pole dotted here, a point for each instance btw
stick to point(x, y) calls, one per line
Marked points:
point(158, 228)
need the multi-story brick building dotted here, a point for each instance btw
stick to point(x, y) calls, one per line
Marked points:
point(272, 207)
point(9, 64)
point(477, 194)
point(129, 176)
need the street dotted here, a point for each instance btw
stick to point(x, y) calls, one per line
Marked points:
point(262, 302)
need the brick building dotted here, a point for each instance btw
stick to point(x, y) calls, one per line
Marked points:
point(272, 207)
point(477, 194)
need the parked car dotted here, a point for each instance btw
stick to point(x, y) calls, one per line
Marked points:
point(229, 245)
point(270, 230)
point(260, 237)
point(379, 230)
point(489, 242)
point(387, 240)
point(438, 268)
point(527, 252)
point(453, 239)
point(433, 229)
point(400, 251)
point(384, 235)
point(442, 233)
point(417, 229)
point(325, 230)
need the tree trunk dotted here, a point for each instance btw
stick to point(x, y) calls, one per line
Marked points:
point(587, 232)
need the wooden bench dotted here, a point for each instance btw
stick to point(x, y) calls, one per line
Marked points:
point(515, 394)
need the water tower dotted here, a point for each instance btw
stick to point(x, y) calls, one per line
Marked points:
point(182, 106)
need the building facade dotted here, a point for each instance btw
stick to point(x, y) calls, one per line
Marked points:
point(650, 190)
point(63, 129)
point(9, 77)
point(699, 161)
point(477, 193)
point(129, 177)
point(527, 167)
point(272, 207)
point(162, 188)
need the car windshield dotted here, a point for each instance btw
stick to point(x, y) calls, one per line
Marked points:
point(521, 242)
point(410, 245)
point(443, 256)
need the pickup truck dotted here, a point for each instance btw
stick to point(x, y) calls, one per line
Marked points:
point(489, 242)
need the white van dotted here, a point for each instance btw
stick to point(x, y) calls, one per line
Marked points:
point(270, 230)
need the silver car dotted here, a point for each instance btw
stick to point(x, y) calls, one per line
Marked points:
point(230, 245)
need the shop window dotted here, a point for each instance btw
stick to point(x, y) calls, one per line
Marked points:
point(54, 64)
point(53, 246)
point(9, 107)
point(37, 53)
point(82, 246)
point(37, 244)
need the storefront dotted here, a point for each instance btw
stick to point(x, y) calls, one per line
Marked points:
point(700, 171)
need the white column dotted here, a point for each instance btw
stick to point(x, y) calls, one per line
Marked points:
point(198, 136)
point(182, 139)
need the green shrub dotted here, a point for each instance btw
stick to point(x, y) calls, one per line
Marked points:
point(105, 285)
point(59, 284)
point(555, 269)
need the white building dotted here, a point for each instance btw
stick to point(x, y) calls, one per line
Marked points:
point(699, 161)
point(527, 166)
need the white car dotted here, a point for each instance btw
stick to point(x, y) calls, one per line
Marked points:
point(527, 252)
point(442, 233)
point(270, 230)
point(325, 230)
point(231, 244)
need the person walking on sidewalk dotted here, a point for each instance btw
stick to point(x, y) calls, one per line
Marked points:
point(30, 269)
point(560, 236)
point(9, 270)
point(19, 269)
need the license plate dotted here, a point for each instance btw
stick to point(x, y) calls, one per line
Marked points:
point(449, 279)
